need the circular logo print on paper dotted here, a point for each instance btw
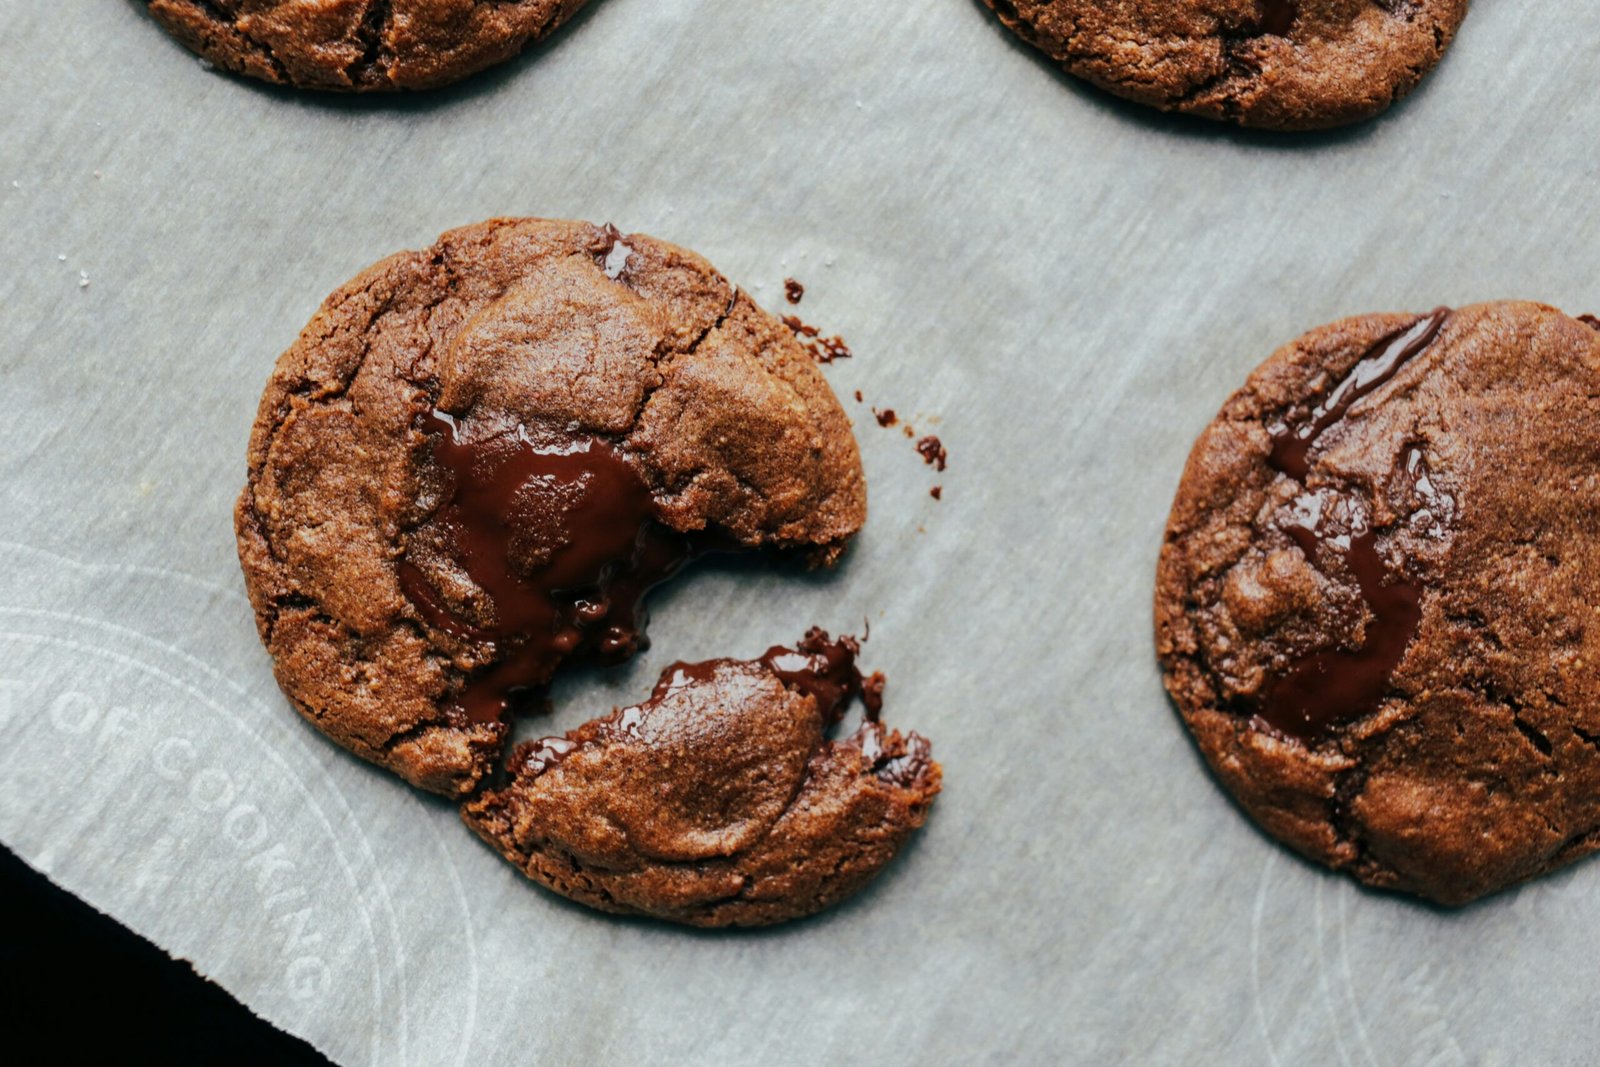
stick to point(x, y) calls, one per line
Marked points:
point(148, 764)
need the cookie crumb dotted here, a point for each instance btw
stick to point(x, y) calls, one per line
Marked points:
point(793, 290)
point(930, 447)
point(872, 691)
point(833, 348)
point(798, 328)
point(937, 492)
point(822, 349)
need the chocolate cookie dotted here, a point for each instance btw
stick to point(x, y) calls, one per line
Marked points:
point(1276, 64)
point(359, 45)
point(718, 801)
point(477, 459)
point(1376, 606)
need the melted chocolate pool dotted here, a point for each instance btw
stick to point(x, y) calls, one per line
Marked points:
point(827, 671)
point(1291, 445)
point(1331, 687)
point(1327, 688)
point(820, 666)
point(1277, 16)
point(578, 585)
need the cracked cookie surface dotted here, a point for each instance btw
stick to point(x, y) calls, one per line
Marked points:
point(359, 45)
point(1378, 601)
point(1275, 64)
point(541, 342)
point(719, 801)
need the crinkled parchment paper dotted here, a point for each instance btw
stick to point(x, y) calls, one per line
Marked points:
point(1063, 287)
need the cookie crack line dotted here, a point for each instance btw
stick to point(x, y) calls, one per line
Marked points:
point(229, 19)
point(371, 33)
point(1276, 18)
point(616, 239)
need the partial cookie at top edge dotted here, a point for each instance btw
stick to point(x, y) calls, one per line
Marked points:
point(359, 45)
point(1273, 64)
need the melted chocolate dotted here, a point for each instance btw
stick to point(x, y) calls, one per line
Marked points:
point(1291, 445)
point(886, 417)
point(822, 668)
point(819, 666)
point(681, 675)
point(793, 290)
point(1327, 688)
point(539, 756)
point(579, 586)
point(1277, 16)
point(1590, 320)
point(1436, 509)
point(933, 452)
point(1334, 686)
point(827, 671)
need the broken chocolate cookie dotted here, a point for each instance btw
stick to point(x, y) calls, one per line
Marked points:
point(478, 459)
point(719, 801)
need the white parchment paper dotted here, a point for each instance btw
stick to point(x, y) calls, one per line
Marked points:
point(1063, 287)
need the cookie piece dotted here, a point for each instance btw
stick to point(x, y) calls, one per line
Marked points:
point(1274, 64)
point(1378, 602)
point(477, 459)
point(717, 802)
point(359, 45)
